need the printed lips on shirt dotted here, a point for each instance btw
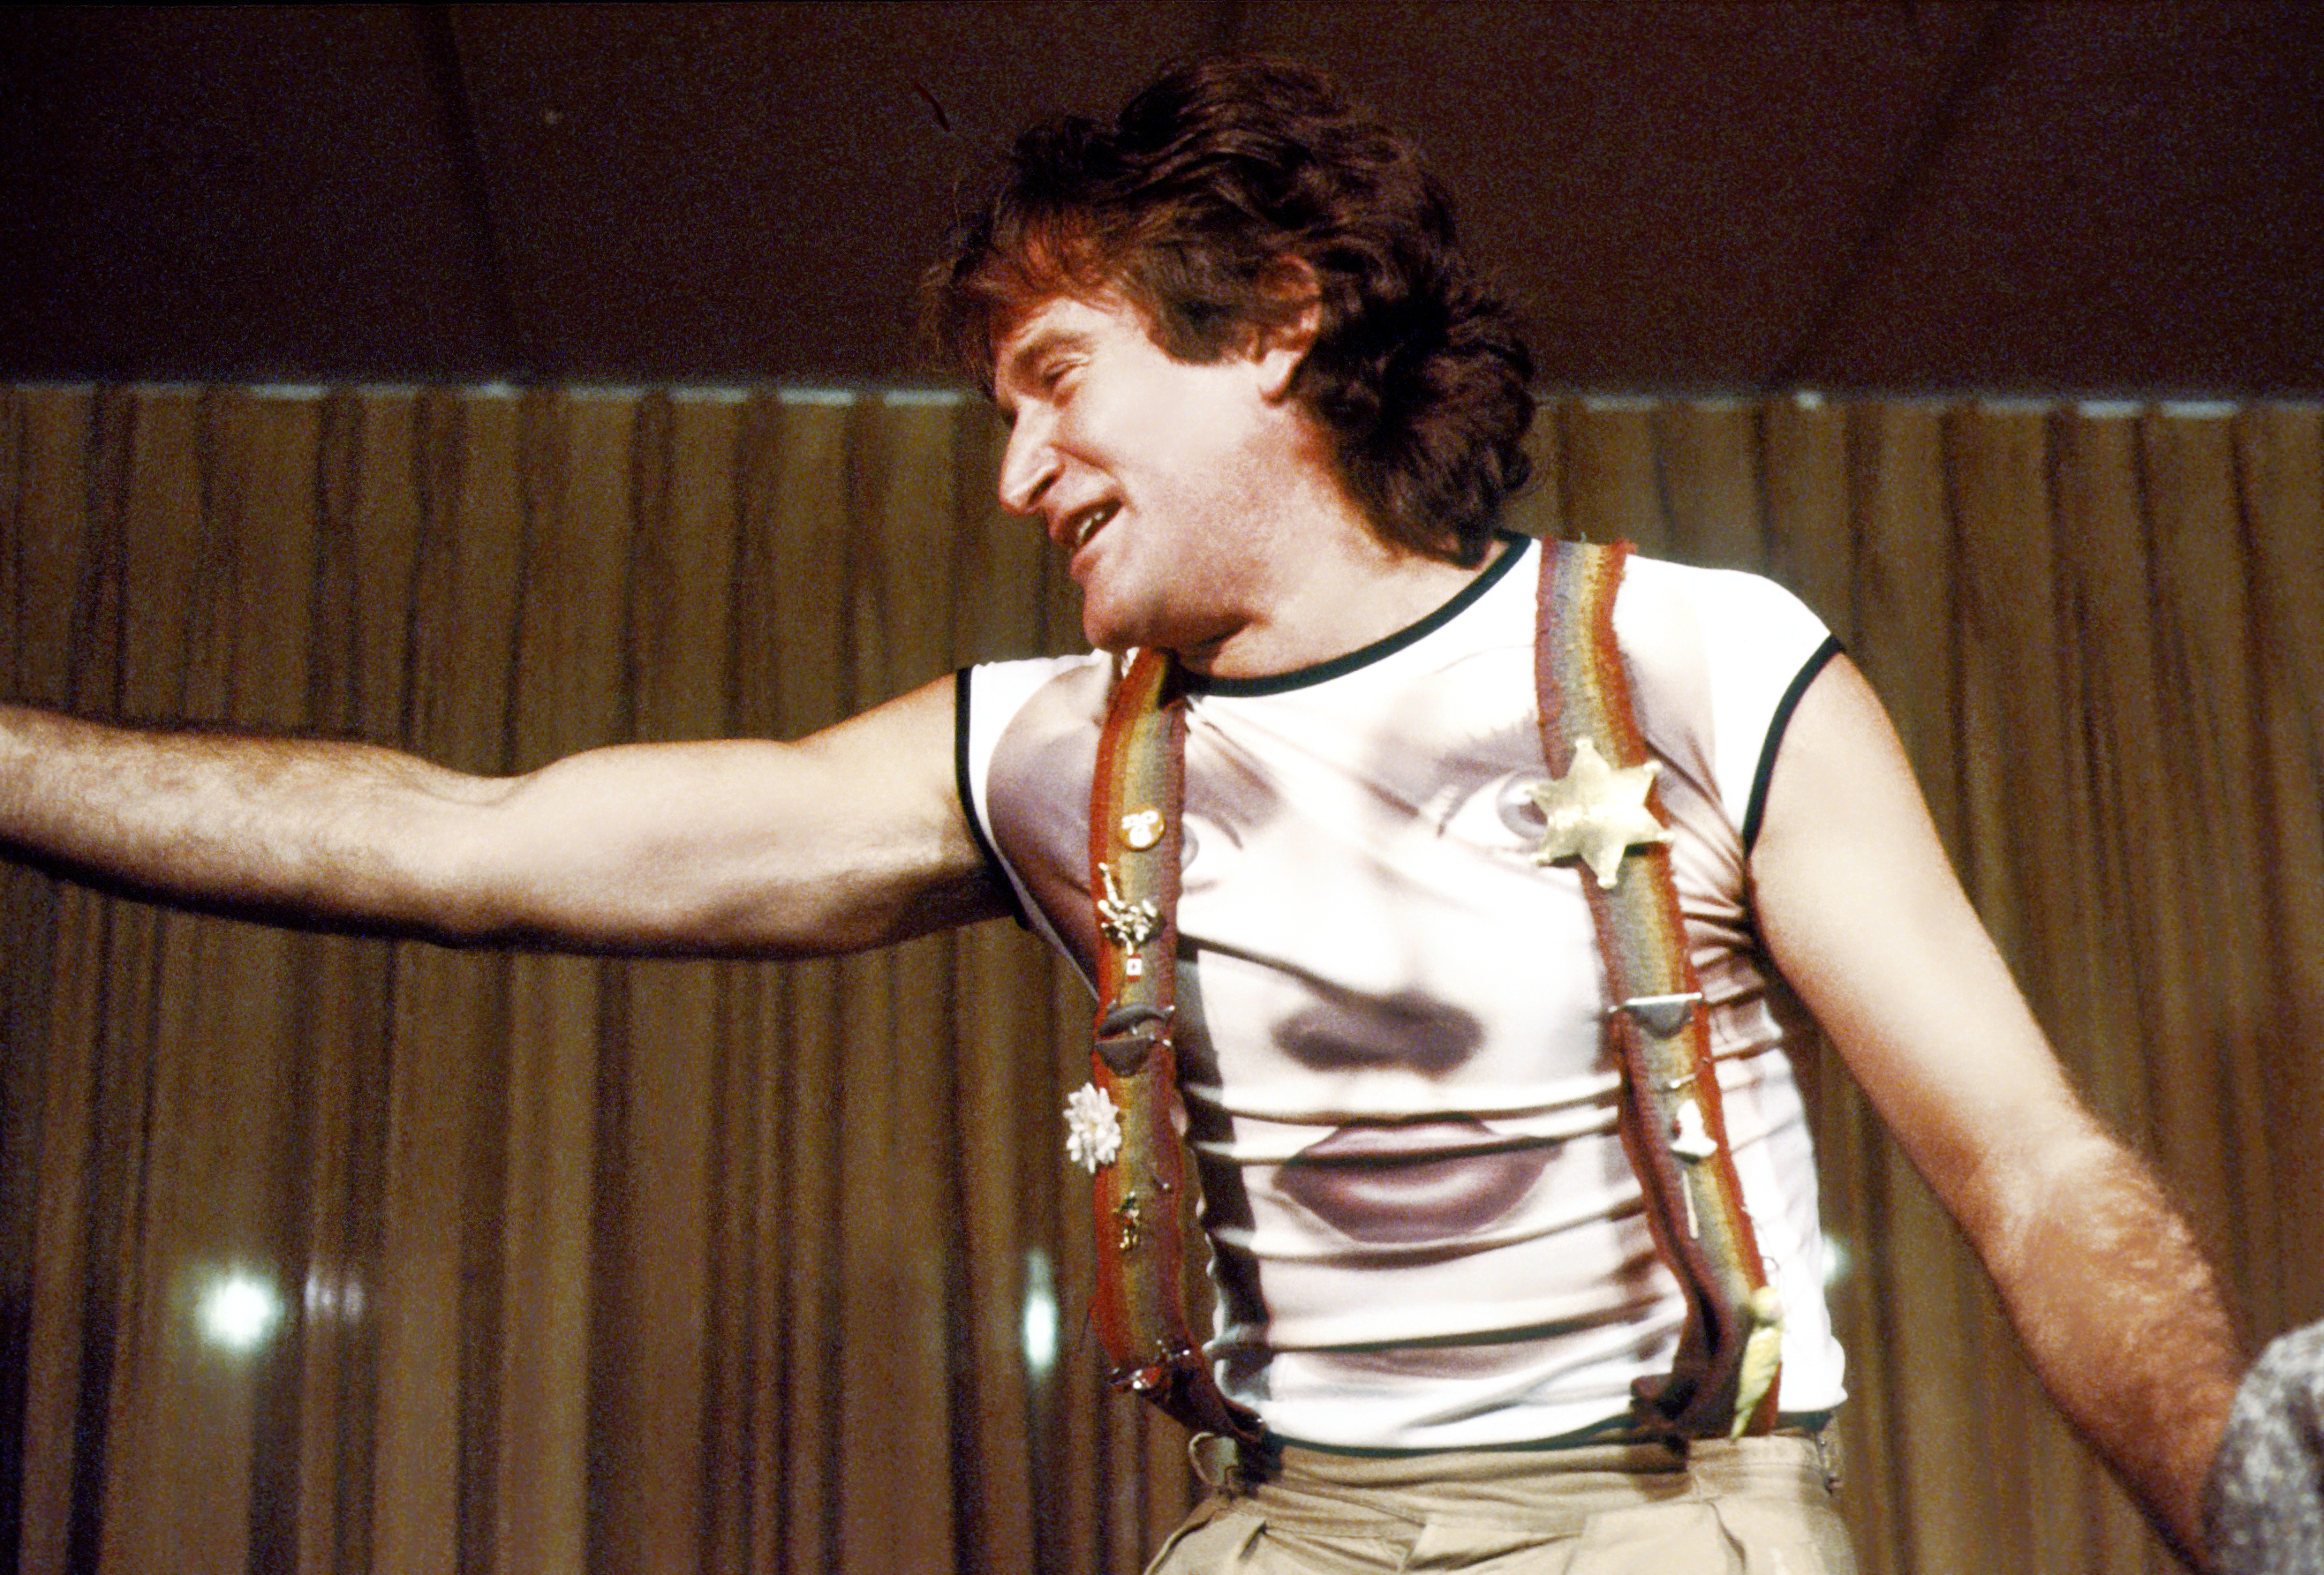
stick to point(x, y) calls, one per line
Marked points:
point(1412, 1182)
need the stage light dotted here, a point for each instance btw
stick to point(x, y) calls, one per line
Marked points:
point(1039, 1330)
point(1837, 1260)
point(240, 1311)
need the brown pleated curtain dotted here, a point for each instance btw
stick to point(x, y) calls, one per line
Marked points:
point(582, 1265)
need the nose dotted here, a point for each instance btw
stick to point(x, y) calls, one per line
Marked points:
point(1027, 465)
point(1367, 995)
point(1341, 1030)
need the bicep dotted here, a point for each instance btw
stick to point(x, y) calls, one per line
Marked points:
point(851, 837)
point(1858, 906)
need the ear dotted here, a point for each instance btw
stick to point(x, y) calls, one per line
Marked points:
point(1277, 351)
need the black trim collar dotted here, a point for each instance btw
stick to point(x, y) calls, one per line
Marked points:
point(1340, 666)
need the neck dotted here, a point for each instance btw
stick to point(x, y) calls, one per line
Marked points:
point(1310, 579)
point(1347, 589)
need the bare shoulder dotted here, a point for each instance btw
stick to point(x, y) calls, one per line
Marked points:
point(1858, 904)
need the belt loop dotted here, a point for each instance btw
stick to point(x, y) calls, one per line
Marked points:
point(1232, 1466)
point(1216, 1459)
point(1827, 1443)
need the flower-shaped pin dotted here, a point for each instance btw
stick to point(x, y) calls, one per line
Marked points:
point(1092, 1127)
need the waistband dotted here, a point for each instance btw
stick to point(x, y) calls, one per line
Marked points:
point(1594, 1476)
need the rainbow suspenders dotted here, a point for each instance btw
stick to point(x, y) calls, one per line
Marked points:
point(1601, 807)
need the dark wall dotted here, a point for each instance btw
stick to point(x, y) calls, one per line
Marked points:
point(2045, 194)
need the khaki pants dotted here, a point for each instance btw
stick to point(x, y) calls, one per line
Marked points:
point(1754, 1507)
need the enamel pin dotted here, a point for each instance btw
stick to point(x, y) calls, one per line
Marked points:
point(1128, 924)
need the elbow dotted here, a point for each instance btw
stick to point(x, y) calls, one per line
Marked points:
point(2012, 1192)
point(456, 885)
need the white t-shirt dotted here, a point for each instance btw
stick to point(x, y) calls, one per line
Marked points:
point(1425, 1232)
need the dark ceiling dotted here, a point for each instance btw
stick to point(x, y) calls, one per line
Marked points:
point(2098, 196)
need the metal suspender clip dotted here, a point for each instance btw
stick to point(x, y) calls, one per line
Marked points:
point(1126, 1035)
point(1663, 1015)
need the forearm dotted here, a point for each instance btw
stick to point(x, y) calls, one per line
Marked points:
point(321, 830)
point(2123, 1322)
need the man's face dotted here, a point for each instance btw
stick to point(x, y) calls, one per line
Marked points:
point(1152, 473)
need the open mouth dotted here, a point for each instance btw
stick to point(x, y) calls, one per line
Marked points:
point(1415, 1182)
point(1087, 523)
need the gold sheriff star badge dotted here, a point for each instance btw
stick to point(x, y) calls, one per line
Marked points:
point(1597, 813)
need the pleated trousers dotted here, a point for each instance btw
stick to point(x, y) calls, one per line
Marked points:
point(1749, 1506)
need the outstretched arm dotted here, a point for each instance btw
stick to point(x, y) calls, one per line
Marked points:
point(2099, 1274)
point(847, 839)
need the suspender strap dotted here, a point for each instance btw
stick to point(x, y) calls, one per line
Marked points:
point(1139, 1188)
point(1672, 1121)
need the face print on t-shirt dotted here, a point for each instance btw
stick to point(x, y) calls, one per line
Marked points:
point(1372, 934)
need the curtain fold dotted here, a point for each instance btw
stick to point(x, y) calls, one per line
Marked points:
point(563, 1265)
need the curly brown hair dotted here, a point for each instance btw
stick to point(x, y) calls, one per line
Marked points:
point(1207, 203)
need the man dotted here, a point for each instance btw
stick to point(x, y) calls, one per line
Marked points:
point(1256, 396)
